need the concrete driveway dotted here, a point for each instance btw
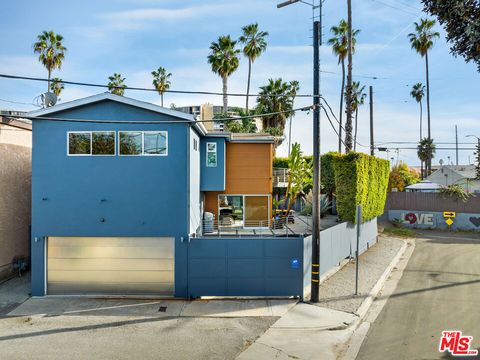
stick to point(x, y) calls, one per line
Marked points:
point(87, 328)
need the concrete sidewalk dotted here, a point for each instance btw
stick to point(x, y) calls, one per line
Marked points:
point(303, 333)
point(71, 306)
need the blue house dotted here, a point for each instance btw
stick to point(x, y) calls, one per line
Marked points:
point(133, 198)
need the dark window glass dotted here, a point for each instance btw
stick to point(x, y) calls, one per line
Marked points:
point(155, 143)
point(79, 143)
point(103, 143)
point(130, 142)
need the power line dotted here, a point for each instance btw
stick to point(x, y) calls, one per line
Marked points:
point(109, 121)
point(18, 102)
point(331, 124)
point(17, 77)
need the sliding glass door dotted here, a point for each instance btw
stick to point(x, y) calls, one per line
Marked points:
point(241, 211)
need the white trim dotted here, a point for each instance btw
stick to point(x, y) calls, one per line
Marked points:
point(91, 142)
point(206, 155)
point(114, 142)
point(127, 131)
point(154, 132)
point(68, 142)
point(120, 99)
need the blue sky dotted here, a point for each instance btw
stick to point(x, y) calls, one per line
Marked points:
point(134, 37)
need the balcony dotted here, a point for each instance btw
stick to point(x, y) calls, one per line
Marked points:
point(280, 178)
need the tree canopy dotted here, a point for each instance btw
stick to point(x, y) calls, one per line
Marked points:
point(461, 20)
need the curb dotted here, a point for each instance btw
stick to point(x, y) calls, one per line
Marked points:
point(365, 306)
point(360, 328)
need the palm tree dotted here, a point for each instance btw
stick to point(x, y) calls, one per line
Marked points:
point(51, 51)
point(358, 100)
point(276, 97)
point(57, 86)
point(294, 88)
point(161, 81)
point(116, 84)
point(255, 45)
point(425, 151)
point(422, 41)
point(339, 43)
point(224, 60)
point(418, 92)
point(349, 97)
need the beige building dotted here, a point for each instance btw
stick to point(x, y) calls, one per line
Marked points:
point(15, 192)
point(206, 112)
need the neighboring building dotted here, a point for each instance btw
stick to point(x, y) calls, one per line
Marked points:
point(118, 207)
point(463, 175)
point(15, 192)
point(423, 186)
point(206, 112)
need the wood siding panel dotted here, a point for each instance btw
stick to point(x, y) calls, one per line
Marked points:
point(248, 171)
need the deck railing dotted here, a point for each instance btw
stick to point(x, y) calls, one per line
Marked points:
point(291, 226)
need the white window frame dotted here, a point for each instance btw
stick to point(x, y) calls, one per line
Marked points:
point(206, 155)
point(128, 131)
point(114, 142)
point(68, 142)
point(91, 142)
point(154, 132)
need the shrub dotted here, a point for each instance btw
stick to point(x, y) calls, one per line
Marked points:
point(360, 179)
point(327, 172)
point(456, 191)
point(401, 176)
point(280, 163)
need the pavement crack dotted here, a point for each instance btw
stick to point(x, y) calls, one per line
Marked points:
point(279, 351)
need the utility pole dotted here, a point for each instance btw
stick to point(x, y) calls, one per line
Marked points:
point(315, 282)
point(372, 142)
point(456, 145)
point(349, 95)
point(316, 164)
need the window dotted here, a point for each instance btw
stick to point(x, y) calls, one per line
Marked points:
point(79, 143)
point(244, 211)
point(149, 143)
point(195, 144)
point(211, 154)
point(95, 143)
point(130, 142)
point(103, 143)
point(155, 143)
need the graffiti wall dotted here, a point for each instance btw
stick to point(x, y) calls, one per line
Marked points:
point(436, 220)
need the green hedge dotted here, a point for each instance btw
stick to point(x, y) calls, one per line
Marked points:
point(280, 162)
point(360, 179)
point(327, 175)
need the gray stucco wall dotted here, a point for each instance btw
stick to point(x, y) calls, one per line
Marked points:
point(15, 196)
point(336, 244)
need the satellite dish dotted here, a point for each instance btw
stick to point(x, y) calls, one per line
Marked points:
point(48, 99)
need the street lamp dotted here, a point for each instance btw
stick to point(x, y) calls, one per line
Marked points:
point(316, 148)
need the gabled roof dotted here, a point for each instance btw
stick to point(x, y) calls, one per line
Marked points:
point(119, 99)
point(465, 171)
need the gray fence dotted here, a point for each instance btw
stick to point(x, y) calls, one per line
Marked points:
point(336, 244)
point(434, 202)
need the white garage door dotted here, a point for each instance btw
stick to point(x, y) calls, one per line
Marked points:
point(110, 265)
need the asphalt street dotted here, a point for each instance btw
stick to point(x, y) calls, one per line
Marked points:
point(439, 290)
